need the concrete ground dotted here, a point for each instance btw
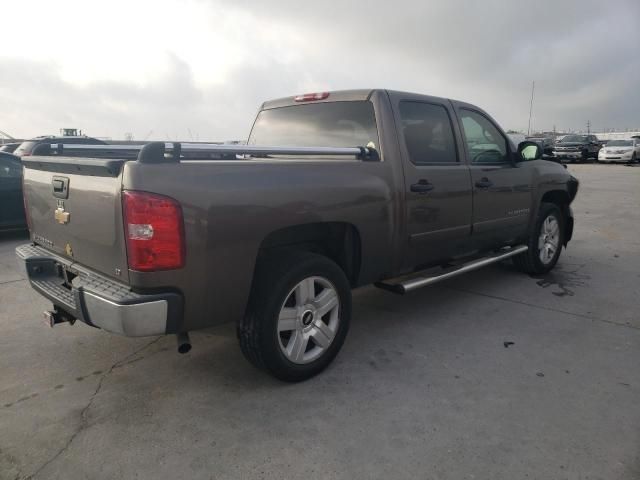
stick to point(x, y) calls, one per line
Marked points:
point(425, 386)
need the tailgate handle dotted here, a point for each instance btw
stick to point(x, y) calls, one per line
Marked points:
point(60, 186)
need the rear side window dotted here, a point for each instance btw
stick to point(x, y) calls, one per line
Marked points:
point(427, 131)
point(335, 124)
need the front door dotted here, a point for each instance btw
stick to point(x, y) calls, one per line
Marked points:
point(437, 182)
point(502, 187)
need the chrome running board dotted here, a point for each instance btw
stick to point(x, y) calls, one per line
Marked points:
point(407, 283)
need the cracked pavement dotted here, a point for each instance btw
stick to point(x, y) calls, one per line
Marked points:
point(425, 386)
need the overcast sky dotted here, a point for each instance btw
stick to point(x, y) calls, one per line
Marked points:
point(187, 69)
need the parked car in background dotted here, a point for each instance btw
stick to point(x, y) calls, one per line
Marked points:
point(516, 138)
point(334, 190)
point(627, 151)
point(578, 148)
point(546, 143)
point(9, 147)
point(11, 205)
point(26, 147)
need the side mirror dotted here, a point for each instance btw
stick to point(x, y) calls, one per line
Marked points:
point(529, 151)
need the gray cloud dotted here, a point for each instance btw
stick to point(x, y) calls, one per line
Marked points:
point(582, 55)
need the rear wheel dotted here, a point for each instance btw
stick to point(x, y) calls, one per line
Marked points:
point(545, 243)
point(298, 316)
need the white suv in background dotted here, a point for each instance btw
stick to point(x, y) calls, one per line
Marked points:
point(620, 151)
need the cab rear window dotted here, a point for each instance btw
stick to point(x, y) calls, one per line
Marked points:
point(334, 124)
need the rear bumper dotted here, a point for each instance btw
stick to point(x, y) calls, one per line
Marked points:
point(97, 300)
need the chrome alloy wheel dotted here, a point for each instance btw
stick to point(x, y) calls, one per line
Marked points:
point(549, 239)
point(308, 320)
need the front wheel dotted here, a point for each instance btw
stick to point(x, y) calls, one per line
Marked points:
point(585, 156)
point(298, 315)
point(545, 243)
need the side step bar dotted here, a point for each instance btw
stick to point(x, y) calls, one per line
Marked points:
point(407, 283)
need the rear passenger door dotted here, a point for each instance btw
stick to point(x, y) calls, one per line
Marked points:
point(502, 185)
point(436, 178)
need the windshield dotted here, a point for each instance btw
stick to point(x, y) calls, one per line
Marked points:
point(336, 124)
point(574, 138)
point(620, 143)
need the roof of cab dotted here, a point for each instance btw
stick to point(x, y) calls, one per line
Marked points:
point(335, 96)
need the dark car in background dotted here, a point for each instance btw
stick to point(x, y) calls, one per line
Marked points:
point(26, 148)
point(9, 147)
point(11, 205)
point(577, 147)
point(546, 143)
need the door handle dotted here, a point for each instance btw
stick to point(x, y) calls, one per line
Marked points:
point(484, 182)
point(423, 186)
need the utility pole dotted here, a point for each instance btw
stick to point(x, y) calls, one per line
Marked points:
point(533, 86)
point(588, 127)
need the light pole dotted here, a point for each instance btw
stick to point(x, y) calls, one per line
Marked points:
point(533, 86)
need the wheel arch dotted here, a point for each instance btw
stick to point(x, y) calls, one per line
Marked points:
point(562, 199)
point(339, 241)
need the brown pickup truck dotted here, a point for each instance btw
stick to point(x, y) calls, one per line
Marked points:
point(333, 191)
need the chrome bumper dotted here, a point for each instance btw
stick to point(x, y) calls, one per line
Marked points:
point(97, 300)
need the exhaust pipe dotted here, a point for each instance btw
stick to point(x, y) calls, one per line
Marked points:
point(184, 342)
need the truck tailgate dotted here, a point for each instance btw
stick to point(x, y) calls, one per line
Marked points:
point(74, 209)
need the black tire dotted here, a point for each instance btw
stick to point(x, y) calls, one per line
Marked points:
point(273, 283)
point(585, 156)
point(529, 261)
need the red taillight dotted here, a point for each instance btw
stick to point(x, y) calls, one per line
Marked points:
point(154, 231)
point(310, 97)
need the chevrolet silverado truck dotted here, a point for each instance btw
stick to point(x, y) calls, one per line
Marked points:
point(578, 148)
point(333, 191)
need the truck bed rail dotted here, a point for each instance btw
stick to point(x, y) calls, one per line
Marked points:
point(159, 152)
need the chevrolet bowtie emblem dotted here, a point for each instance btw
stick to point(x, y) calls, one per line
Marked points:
point(61, 216)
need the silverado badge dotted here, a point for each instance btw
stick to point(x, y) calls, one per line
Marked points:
point(60, 215)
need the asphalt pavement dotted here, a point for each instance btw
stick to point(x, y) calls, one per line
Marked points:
point(492, 375)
